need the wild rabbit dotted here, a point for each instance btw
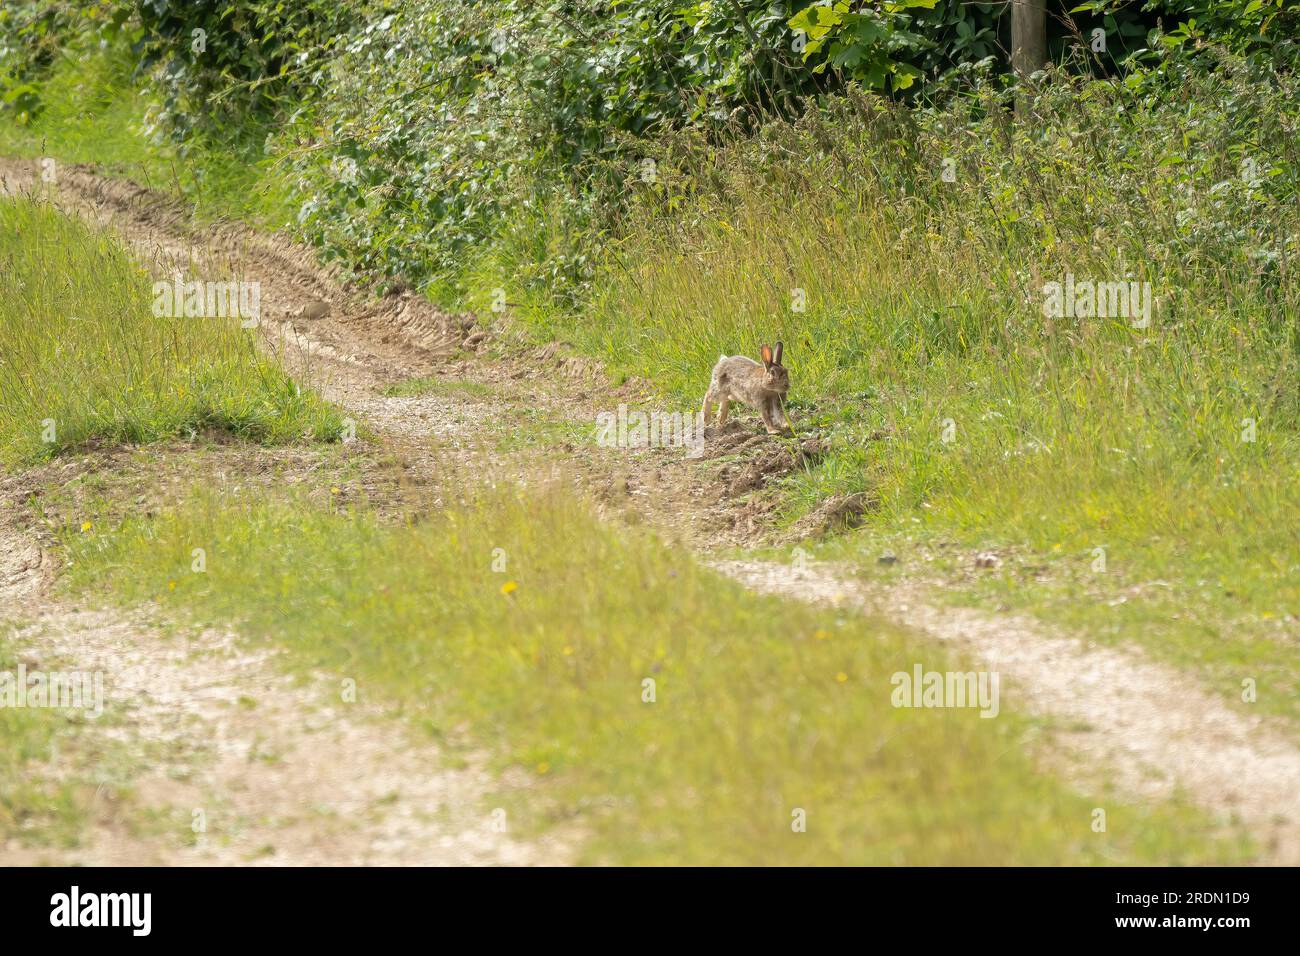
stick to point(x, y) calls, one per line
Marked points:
point(763, 387)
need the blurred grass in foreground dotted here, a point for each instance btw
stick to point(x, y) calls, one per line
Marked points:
point(761, 706)
point(37, 809)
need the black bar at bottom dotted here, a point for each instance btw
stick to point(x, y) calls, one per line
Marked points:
point(340, 906)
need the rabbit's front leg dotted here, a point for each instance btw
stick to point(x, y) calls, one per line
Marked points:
point(774, 417)
point(783, 419)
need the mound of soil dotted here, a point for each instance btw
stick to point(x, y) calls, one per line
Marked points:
point(771, 460)
point(837, 513)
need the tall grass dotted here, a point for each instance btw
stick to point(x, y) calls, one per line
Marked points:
point(85, 358)
point(92, 110)
point(760, 707)
point(1175, 447)
point(924, 298)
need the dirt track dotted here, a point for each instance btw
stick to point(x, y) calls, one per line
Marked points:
point(1147, 727)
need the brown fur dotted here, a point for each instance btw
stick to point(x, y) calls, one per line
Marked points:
point(761, 386)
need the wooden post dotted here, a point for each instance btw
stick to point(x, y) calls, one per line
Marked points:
point(1028, 41)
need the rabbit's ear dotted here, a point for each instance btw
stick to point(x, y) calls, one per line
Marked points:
point(776, 359)
point(767, 355)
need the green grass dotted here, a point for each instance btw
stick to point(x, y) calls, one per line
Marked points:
point(31, 808)
point(438, 385)
point(541, 430)
point(92, 112)
point(922, 318)
point(1182, 607)
point(761, 706)
point(85, 358)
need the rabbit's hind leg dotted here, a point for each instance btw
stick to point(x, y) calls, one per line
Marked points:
point(719, 397)
point(707, 410)
point(715, 396)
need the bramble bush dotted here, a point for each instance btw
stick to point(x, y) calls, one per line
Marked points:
point(444, 140)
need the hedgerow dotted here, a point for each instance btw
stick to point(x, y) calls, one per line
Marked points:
point(422, 137)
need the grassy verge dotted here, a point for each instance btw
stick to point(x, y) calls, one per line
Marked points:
point(86, 359)
point(35, 810)
point(905, 258)
point(543, 629)
point(93, 112)
point(83, 359)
